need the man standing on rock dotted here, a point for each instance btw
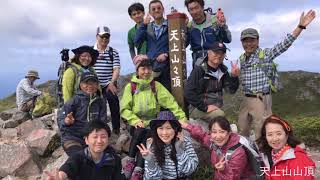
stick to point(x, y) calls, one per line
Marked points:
point(258, 75)
point(27, 93)
point(107, 68)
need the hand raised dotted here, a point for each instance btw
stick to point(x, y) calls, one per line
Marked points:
point(235, 71)
point(221, 20)
point(143, 150)
point(221, 164)
point(147, 19)
point(305, 20)
point(69, 119)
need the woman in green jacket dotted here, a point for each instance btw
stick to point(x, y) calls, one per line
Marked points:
point(85, 57)
point(141, 102)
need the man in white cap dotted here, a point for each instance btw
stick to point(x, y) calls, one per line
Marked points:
point(107, 68)
point(27, 93)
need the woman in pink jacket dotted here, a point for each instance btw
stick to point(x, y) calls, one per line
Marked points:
point(218, 141)
point(283, 158)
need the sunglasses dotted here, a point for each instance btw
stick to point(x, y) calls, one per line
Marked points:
point(107, 36)
point(285, 124)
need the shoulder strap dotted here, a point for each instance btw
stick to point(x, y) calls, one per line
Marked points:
point(110, 53)
point(231, 150)
point(261, 54)
point(153, 86)
point(76, 78)
point(133, 87)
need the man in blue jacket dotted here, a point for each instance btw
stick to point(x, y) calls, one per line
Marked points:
point(156, 34)
point(205, 29)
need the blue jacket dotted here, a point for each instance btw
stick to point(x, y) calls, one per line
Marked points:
point(155, 46)
point(80, 105)
point(201, 37)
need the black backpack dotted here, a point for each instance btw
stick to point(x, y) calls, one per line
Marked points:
point(62, 68)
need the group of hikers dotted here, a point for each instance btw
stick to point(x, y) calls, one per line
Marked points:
point(159, 148)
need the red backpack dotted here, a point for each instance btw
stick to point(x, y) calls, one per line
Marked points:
point(152, 87)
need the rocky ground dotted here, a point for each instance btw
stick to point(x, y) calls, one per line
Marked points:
point(28, 147)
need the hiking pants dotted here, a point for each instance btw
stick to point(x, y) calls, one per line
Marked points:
point(140, 135)
point(164, 78)
point(206, 116)
point(253, 111)
point(71, 147)
point(113, 102)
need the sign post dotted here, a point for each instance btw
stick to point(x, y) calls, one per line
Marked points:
point(177, 54)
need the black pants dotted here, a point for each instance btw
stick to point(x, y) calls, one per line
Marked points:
point(165, 78)
point(140, 135)
point(113, 102)
point(72, 148)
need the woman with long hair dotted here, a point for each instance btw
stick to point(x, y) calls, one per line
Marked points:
point(168, 154)
point(282, 156)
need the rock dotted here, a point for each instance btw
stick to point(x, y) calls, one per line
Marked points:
point(9, 133)
point(11, 178)
point(17, 159)
point(16, 117)
point(47, 120)
point(43, 142)
point(121, 142)
point(56, 164)
point(20, 116)
point(12, 123)
point(5, 115)
point(57, 153)
point(27, 127)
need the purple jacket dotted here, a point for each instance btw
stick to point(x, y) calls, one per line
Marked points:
point(236, 168)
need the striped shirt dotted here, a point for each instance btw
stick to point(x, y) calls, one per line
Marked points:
point(187, 163)
point(104, 66)
point(253, 78)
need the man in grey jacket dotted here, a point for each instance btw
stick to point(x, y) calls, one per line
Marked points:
point(27, 93)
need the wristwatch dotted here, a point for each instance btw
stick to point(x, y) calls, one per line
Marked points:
point(301, 27)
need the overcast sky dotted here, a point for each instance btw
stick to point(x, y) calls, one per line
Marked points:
point(34, 31)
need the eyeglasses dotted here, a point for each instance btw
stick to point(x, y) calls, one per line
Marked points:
point(156, 8)
point(284, 123)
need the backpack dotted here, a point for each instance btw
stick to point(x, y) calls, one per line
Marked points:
point(272, 74)
point(134, 87)
point(254, 159)
point(110, 52)
point(63, 67)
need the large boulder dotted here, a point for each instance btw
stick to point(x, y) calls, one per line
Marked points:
point(27, 127)
point(43, 142)
point(16, 159)
point(13, 117)
point(9, 133)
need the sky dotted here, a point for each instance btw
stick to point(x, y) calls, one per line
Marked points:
point(33, 32)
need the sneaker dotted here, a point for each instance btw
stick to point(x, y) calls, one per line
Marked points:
point(128, 168)
point(137, 174)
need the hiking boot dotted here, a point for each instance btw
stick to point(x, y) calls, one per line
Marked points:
point(128, 168)
point(137, 174)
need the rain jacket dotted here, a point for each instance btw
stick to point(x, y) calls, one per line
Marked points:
point(145, 104)
point(71, 81)
point(295, 162)
point(236, 168)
